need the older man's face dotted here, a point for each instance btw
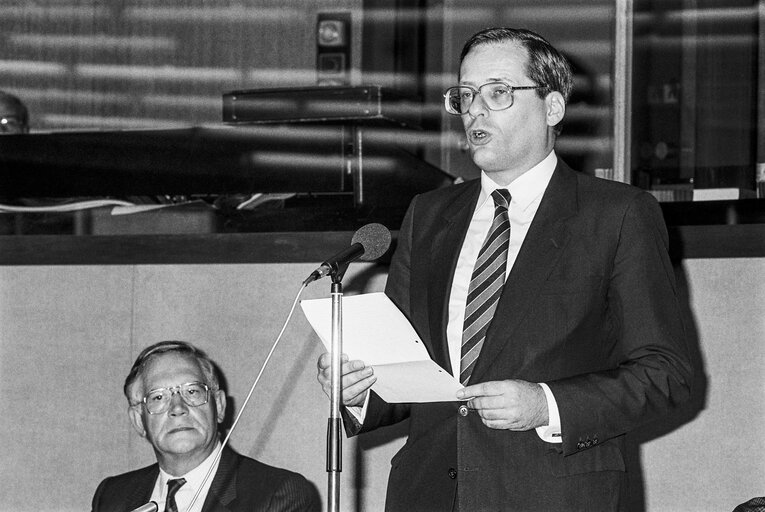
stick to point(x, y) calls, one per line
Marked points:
point(181, 435)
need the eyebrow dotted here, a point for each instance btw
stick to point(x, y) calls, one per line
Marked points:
point(507, 80)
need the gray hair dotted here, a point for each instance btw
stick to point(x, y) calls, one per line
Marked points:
point(206, 364)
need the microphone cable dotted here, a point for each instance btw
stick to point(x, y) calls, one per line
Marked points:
point(374, 240)
point(246, 400)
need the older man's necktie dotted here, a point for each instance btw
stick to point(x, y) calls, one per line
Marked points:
point(485, 285)
point(172, 488)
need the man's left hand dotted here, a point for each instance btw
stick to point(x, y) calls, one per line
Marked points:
point(508, 404)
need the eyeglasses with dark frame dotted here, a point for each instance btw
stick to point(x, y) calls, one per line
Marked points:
point(193, 394)
point(496, 96)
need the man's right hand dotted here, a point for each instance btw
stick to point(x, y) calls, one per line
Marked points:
point(357, 378)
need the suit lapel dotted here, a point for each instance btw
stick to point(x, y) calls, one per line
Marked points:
point(223, 487)
point(540, 252)
point(142, 487)
point(448, 236)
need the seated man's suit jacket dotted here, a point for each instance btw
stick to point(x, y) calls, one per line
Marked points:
point(589, 308)
point(240, 484)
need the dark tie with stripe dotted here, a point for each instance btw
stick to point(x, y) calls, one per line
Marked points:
point(172, 488)
point(485, 285)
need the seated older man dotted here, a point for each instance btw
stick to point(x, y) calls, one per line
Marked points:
point(176, 404)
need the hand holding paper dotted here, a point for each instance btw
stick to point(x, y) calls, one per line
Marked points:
point(376, 332)
point(357, 378)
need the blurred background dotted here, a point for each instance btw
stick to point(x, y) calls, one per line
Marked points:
point(690, 70)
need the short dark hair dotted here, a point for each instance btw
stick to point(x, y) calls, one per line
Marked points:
point(546, 67)
point(208, 367)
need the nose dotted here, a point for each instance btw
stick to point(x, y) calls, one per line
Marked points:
point(177, 405)
point(478, 106)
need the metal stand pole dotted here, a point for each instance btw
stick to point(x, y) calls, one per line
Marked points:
point(334, 441)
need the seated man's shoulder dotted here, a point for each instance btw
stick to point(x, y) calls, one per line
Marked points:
point(148, 472)
point(289, 490)
point(250, 466)
point(114, 491)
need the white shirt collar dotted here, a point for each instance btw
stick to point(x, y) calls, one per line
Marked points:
point(195, 477)
point(525, 188)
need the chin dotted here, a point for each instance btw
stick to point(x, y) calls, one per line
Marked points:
point(484, 159)
point(185, 443)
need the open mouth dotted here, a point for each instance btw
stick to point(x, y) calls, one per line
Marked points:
point(479, 136)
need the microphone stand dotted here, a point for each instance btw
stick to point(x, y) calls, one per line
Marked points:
point(334, 426)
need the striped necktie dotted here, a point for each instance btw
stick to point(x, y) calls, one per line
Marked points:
point(172, 488)
point(485, 285)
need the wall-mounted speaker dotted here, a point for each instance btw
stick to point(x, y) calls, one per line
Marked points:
point(333, 48)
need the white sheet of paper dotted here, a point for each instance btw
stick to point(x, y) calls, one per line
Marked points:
point(376, 332)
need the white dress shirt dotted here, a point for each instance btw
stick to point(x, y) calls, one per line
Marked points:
point(526, 192)
point(194, 480)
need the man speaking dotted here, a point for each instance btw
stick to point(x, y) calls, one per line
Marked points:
point(548, 293)
point(176, 404)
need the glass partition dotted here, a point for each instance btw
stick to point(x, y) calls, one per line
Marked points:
point(666, 92)
point(695, 98)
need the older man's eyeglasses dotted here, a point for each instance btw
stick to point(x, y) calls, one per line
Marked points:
point(495, 95)
point(193, 394)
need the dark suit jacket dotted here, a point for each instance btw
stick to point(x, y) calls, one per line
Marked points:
point(240, 484)
point(589, 308)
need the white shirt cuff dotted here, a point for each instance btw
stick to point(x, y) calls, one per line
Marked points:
point(359, 411)
point(550, 433)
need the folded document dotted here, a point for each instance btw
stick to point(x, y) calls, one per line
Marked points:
point(376, 332)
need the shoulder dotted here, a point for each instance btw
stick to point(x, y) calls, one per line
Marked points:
point(587, 183)
point(613, 210)
point(281, 488)
point(251, 466)
point(450, 193)
point(126, 488)
point(602, 195)
point(147, 473)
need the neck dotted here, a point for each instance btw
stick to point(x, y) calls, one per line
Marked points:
point(504, 177)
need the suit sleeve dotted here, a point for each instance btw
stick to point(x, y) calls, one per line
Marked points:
point(653, 373)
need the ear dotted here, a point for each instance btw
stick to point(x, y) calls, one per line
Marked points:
point(136, 419)
point(556, 108)
point(220, 405)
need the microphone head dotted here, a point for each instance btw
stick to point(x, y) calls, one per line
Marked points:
point(375, 238)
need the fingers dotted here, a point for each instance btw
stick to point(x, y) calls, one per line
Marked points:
point(490, 388)
point(488, 403)
point(497, 395)
point(355, 391)
point(510, 404)
point(325, 360)
point(356, 379)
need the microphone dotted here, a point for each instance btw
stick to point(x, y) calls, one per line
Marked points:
point(149, 507)
point(368, 243)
